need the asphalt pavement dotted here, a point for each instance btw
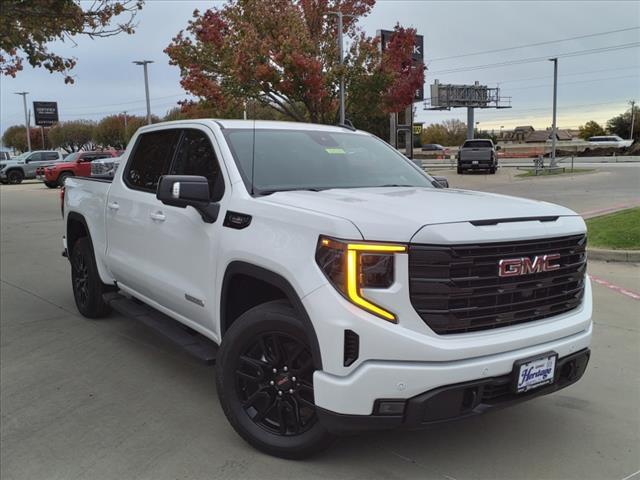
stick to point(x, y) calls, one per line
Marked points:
point(110, 399)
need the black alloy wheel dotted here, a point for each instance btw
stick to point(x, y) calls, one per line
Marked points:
point(275, 385)
point(264, 377)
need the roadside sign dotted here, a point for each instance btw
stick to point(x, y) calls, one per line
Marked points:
point(417, 54)
point(45, 113)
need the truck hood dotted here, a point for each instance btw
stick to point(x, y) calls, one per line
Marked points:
point(397, 213)
point(61, 164)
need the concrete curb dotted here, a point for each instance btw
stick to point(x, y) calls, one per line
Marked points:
point(606, 255)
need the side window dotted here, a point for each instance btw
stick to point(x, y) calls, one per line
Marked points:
point(196, 156)
point(50, 156)
point(151, 159)
point(36, 157)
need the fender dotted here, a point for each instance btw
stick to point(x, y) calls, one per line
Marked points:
point(102, 271)
point(278, 281)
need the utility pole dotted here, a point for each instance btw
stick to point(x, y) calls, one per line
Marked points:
point(341, 60)
point(26, 117)
point(144, 64)
point(633, 117)
point(555, 104)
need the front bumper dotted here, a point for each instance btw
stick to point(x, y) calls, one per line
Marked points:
point(456, 401)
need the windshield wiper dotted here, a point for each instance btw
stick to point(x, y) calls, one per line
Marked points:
point(300, 189)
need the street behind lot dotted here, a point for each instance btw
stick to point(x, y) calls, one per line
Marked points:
point(110, 399)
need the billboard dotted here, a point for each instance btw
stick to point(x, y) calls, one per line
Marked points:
point(417, 55)
point(45, 113)
point(451, 96)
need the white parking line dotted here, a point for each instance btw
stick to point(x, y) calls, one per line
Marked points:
point(631, 476)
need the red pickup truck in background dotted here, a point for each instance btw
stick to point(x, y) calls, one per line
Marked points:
point(76, 164)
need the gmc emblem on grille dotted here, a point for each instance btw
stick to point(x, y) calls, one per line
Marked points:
point(512, 267)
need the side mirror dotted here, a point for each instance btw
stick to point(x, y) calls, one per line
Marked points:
point(498, 147)
point(442, 182)
point(188, 190)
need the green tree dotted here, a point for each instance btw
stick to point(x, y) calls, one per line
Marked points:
point(283, 55)
point(111, 131)
point(590, 129)
point(621, 125)
point(28, 26)
point(15, 137)
point(435, 133)
point(72, 136)
point(448, 133)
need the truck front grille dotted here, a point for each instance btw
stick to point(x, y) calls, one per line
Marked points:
point(457, 289)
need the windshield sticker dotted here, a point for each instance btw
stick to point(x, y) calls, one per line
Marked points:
point(334, 151)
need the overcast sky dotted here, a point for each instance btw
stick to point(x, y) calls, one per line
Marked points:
point(596, 86)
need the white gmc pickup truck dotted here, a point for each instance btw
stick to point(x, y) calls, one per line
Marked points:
point(346, 289)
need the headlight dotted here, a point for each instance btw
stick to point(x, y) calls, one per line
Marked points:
point(352, 267)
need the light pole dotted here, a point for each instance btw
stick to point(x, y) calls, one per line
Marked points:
point(144, 64)
point(555, 104)
point(633, 117)
point(26, 117)
point(341, 59)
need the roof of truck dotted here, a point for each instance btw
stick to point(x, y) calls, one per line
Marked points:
point(259, 124)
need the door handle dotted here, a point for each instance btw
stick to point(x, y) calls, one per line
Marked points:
point(113, 206)
point(157, 216)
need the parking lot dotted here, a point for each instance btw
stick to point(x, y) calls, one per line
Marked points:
point(109, 399)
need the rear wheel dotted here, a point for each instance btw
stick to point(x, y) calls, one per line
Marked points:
point(264, 375)
point(87, 286)
point(15, 176)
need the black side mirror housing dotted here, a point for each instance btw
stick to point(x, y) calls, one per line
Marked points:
point(441, 181)
point(498, 147)
point(188, 191)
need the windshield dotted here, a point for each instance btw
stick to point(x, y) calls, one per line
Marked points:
point(72, 157)
point(317, 160)
point(22, 156)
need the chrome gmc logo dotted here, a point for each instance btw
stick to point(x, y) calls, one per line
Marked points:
point(513, 267)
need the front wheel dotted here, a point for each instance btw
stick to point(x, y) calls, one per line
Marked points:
point(15, 177)
point(87, 286)
point(51, 184)
point(264, 375)
point(63, 176)
point(460, 171)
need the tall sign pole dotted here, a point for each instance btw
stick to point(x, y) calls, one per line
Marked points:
point(554, 134)
point(341, 60)
point(26, 117)
point(144, 64)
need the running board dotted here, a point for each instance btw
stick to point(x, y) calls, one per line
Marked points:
point(194, 343)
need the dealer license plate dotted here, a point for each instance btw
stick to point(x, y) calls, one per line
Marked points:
point(474, 162)
point(536, 372)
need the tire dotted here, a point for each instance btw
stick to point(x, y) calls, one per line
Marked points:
point(51, 184)
point(85, 281)
point(63, 176)
point(15, 176)
point(460, 171)
point(492, 170)
point(271, 411)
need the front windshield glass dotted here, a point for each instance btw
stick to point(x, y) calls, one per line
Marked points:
point(318, 160)
point(22, 156)
point(72, 157)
